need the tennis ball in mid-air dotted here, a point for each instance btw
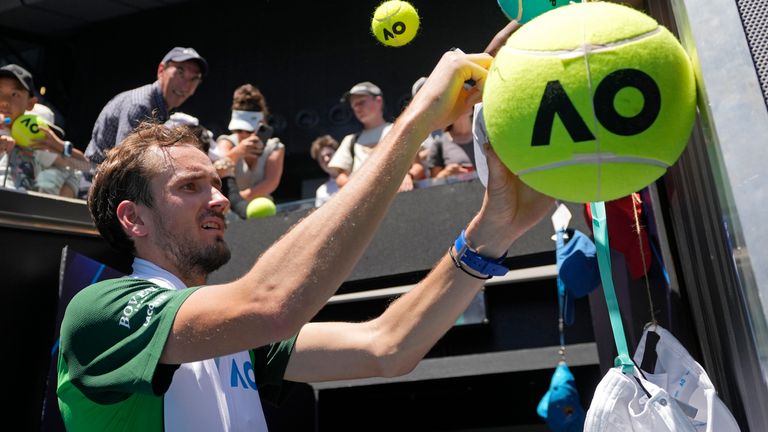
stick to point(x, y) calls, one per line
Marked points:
point(26, 128)
point(395, 23)
point(590, 102)
point(525, 10)
point(260, 207)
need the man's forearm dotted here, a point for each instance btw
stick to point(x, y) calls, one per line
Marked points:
point(314, 258)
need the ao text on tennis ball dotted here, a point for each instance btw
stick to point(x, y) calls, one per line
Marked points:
point(398, 28)
point(34, 127)
point(555, 100)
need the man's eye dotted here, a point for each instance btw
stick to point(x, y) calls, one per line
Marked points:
point(189, 186)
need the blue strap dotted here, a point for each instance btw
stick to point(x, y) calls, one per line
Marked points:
point(600, 229)
point(477, 262)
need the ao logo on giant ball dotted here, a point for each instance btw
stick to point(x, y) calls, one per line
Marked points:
point(590, 102)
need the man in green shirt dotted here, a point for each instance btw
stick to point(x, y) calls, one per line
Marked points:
point(161, 350)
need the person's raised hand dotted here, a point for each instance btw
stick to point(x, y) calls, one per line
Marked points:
point(443, 97)
point(510, 208)
point(251, 147)
point(254, 146)
point(50, 141)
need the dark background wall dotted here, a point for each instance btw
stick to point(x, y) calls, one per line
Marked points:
point(303, 55)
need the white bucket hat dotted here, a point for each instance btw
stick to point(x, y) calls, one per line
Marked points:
point(677, 395)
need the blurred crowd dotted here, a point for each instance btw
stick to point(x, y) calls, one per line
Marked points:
point(250, 159)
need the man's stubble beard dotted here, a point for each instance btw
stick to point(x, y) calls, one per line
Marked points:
point(189, 258)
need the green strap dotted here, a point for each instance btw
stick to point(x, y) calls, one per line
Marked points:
point(600, 230)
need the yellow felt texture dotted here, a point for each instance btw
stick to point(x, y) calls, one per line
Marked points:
point(395, 23)
point(27, 128)
point(582, 48)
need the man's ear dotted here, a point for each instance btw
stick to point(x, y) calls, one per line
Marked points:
point(160, 69)
point(129, 218)
point(31, 103)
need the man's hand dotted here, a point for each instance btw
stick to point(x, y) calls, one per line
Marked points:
point(510, 208)
point(443, 97)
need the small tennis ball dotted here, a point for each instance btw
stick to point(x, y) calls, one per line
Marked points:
point(27, 128)
point(525, 10)
point(260, 207)
point(590, 102)
point(395, 23)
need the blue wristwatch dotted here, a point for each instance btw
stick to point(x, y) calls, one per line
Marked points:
point(477, 262)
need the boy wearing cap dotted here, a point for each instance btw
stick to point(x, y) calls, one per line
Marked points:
point(367, 102)
point(16, 96)
point(178, 75)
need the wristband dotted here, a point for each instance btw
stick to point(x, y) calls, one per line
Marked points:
point(481, 264)
point(67, 152)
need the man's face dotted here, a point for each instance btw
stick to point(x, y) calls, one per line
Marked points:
point(14, 98)
point(367, 108)
point(324, 158)
point(178, 81)
point(187, 224)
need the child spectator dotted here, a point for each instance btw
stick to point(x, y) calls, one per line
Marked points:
point(322, 150)
point(17, 164)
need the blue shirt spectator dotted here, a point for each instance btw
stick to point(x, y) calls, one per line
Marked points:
point(178, 75)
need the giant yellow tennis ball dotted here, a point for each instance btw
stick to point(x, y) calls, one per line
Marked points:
point(590, 102)
point(260, 207)
point(27, 128)
point(395, 23)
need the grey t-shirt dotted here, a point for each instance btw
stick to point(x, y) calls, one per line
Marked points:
point(364, 144)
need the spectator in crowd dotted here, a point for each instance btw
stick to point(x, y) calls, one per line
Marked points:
point(257, 155)
point(208, 144)
point(367, 103)
point(452, 152)
point(322, 150)
point(146, 352)
point(59, 165)
point(17, 95)
point(179, 73)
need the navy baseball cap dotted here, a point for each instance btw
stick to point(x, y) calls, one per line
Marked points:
point(560, 407)
point(182, 54)
point(21, 74)
point(578, 272)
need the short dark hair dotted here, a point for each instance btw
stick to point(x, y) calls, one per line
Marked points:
point(126, 174)
point(320, 142)
point(248, 97)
